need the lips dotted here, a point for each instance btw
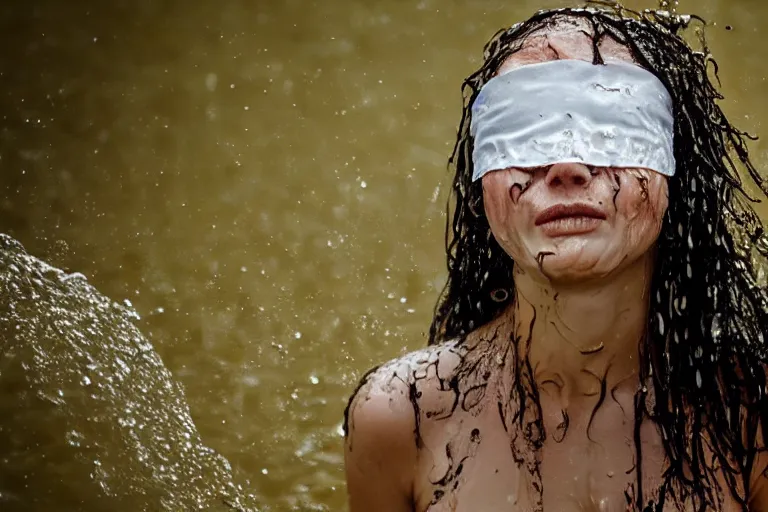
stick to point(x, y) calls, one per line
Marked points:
point(563, 211)
point(572, 219)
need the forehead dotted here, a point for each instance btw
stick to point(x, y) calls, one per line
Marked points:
point(565, 39)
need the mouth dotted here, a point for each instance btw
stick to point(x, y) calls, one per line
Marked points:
point(572, 219)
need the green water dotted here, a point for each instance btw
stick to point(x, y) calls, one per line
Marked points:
point(265, 182)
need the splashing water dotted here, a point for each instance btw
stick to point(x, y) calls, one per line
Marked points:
point(669, 5)
point(91, 418)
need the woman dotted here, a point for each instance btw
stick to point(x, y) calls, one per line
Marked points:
point(599, 344)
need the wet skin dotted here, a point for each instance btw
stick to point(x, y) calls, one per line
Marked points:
point(436, 430)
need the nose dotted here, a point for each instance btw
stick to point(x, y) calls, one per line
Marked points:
point(568, 175)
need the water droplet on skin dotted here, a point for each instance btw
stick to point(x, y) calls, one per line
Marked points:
point(698, 379)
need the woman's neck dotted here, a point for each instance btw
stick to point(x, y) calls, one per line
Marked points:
point(584, 333)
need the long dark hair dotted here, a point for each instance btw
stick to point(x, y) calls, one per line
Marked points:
point(704, 350)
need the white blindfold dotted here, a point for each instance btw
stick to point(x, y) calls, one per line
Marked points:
point(613, 115)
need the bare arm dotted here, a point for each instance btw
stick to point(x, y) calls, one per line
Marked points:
point(380, 449)
point(758, 499)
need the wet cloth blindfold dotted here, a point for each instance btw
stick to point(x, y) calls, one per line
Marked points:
point(613, 115)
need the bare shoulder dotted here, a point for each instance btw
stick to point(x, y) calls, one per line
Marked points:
point(394, 391)
point(399, 396)
point(402, 408)
point(382, 429)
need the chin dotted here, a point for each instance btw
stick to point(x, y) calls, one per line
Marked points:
point(574, 262)
point(568, 275)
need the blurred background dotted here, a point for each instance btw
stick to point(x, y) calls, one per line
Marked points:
point(266, 181)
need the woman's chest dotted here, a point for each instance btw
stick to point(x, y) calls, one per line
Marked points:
point(477, 468)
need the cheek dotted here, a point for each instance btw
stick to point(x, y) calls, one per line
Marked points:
point(496, 197)
point(500, 189)
point(496, 211)
point(495, 202)
point(642, 203)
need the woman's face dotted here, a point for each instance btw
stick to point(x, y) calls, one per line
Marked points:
point(569, 222)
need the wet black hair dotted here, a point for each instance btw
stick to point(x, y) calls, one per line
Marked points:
point(704, 350)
